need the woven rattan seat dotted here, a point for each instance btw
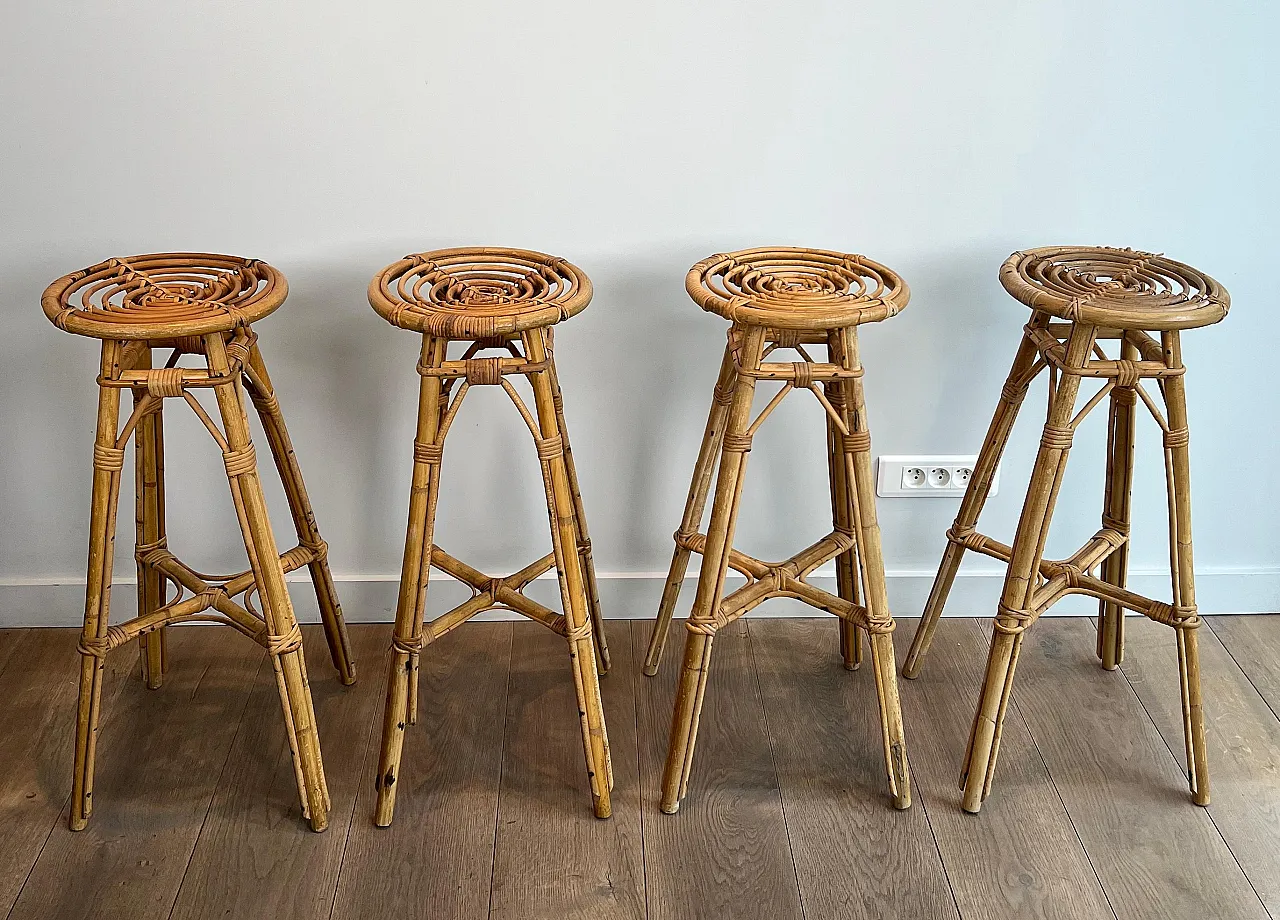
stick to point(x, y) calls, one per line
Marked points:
point(796, 289)
point(199, 306)
point(1114, 288)
point(479, 293)
point(164, 295)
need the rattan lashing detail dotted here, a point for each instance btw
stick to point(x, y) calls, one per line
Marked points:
point(478, 293)
point(795, 289)
point(164, 296)
point(1114, 288)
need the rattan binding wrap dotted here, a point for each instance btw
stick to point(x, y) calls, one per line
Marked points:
point(798, 289)
point(1115, 288)
point(478, 293)
point(164, 295)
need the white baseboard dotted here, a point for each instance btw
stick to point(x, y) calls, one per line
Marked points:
point(372, 598)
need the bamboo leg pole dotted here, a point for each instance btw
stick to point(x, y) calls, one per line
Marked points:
point(107, 464)
point(975, 496)
point(285, 640)
point(703, 470)
point(1178, 471)
point(856, 450)
point(304, 519)
point(407, 640)
point(715, 562)
point(583, 540)
point(561, 511)
point(148, 454)
point(1020, 579)
point(841, 517)
point(1115, 514)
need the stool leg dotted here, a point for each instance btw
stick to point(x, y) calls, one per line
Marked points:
point(703, 470)
point(148, 455)
point(264, 400)
point(715, 561)
point(841, 519)
point(1178, 472)
point(401, 708)
point(284, 641)
point(975, 496)
point(108, 461)
point(583, 540)
point(857, 459)
point(1115, 512)
point(1013, 615)
point(573, 594)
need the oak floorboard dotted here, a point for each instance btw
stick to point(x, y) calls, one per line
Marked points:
point(436, 858)
point(160, 756)
point(10, 640)
point(553, 858)
point(725, 853)
point(853, 850)
point(1243, 737)
point(1156, 854)
point(1020, 858)
point(1253, 640)
point(256, 856)
point(37, 738)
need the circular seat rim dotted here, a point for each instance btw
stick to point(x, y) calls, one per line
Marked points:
point(1211, 307)
point(813, 318)
point(416, 316)
point(54, 301)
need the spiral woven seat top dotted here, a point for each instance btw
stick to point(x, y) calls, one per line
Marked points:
point(1116, 288)
point(478, 292)
point(164, 295)
point(801, 289)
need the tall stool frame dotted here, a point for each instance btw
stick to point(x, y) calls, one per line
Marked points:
point(1071, 353)
point(854, 543)
point(491, 280)
point(176, 302)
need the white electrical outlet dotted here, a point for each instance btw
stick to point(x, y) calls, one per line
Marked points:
point(935, 476)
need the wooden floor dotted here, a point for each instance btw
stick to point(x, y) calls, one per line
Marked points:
point(787, 815)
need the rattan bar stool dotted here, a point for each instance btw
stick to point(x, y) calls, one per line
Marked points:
point(504, 300)
point(198, 304)
point(1102, 294)
point(785, 299)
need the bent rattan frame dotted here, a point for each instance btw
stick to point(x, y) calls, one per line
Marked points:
point(808, 298)
point(505, 300)
point(161, 309)
point(1102, 308)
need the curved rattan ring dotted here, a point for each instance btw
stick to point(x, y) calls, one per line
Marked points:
point(478, 292)
point(804, 289)
point(1117, 288)
point(164, 295)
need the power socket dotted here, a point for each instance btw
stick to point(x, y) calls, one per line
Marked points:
point(927, 476)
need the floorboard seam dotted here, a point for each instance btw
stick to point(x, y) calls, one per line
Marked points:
point(1182, 768)
point(946, 874)
point(1013, 702)
point(53, 827)
point(351, 817)
point(782, 798)
point(502, 764)
point(635, 713)
point(177, 894)
point(1242, 668)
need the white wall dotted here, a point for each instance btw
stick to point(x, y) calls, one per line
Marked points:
point(330, 139)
